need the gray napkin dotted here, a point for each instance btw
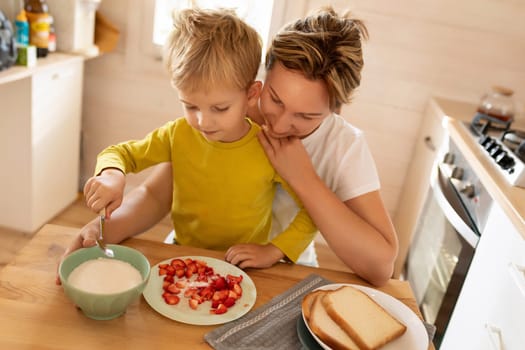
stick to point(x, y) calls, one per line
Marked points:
point(273, 325)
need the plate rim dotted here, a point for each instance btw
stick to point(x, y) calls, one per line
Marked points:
point(152, 297)
point(372, 292)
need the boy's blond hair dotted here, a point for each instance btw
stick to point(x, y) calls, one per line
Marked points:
point(211, 48)
point(323, 46)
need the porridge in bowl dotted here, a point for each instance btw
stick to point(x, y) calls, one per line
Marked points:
point(105, 276)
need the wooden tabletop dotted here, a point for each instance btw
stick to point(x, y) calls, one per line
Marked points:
point(36, 314)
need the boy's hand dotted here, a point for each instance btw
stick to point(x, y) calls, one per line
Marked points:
point(253, 255)
point(84, 239)
point(105, 191)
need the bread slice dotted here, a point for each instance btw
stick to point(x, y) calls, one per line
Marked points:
point(325, 328)
point(307, 302)
point(367, 323)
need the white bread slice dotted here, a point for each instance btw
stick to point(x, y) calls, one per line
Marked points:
point(367, 323)
point(307, 302)
point(325, 328)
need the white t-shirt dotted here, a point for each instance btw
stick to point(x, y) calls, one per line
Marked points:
point(342, 159)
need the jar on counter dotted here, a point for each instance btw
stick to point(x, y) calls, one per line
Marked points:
point(498, 103)
point(38, 15)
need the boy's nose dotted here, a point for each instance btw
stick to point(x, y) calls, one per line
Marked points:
point(202, 120)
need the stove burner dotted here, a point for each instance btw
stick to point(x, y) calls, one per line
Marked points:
point(515, 141)
point(483, 123)
point(506, 147)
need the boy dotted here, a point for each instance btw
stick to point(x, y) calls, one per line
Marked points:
point(223, 183)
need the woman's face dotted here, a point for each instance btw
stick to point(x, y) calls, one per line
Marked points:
point(291, 104)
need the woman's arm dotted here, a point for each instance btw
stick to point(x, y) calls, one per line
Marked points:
point(359, 230)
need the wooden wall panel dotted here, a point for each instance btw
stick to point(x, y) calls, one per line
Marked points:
point(416, 49)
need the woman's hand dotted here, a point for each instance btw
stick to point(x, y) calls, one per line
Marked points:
point(287, 155)
point(253, 255)
point(105, 191)
point(84, 239)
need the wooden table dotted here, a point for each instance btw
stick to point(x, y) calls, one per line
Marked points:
point(36, 314)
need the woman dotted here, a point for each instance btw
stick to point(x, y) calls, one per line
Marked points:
point(312, 68)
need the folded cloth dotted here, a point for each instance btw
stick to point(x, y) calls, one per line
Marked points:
point(273, 325)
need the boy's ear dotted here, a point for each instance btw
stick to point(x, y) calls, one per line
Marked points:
point(254, 91)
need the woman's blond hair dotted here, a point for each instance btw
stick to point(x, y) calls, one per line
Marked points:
point(323, 46)
point(210, 48)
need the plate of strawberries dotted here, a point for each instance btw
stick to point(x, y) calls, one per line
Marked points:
point(199, 290)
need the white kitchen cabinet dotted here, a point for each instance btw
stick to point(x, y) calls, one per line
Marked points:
point(490, 311)
point(39, 140)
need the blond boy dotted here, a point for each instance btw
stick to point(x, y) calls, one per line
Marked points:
point(223, 183)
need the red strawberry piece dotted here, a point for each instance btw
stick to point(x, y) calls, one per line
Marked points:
point(162, 272)
point(229, 302)
point(178, 263)
point(220, 309)
point(169, 278)
point(171, 299)
point(220, 283)
point(232, 294)
point(172, 288)
point(237, 289)
point(194, 303)
point(181, 284)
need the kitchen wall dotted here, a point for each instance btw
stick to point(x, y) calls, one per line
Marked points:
point(416, 49)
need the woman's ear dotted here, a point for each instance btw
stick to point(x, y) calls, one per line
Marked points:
point(254, 91)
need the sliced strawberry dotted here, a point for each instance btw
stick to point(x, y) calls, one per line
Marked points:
point(220, 283)
point(165, 285)
point(162, 272)
point(194, 303)
point(180, 271)
point(171, 299)
point(229, 302)
point(169, 278)
point(234, 279)
point(181, 284)
point(220, 309)
point(220, 295)
point(189, 292)
point(177, 263)
point(237, 289)
point(172, 288)
point(232, 294)
point(163, 266)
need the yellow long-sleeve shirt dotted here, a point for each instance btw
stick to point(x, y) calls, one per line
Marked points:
point(222, 192)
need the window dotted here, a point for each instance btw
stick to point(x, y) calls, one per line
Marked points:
point(257, 13)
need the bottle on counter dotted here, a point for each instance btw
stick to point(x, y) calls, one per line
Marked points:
point(38, 15)
point(22, 29)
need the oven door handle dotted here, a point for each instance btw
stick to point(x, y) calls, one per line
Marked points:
point(450, 212)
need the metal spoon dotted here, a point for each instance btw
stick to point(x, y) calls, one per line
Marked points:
point(100, 240)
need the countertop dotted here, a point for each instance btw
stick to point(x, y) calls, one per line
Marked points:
point(510, 198)
point(37, 314)
point(16, 72)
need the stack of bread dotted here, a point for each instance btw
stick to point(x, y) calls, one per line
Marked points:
point(347, 318)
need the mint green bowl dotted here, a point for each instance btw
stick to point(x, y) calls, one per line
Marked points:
point(104, 306)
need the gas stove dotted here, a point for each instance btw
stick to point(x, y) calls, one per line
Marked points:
point(504, 145)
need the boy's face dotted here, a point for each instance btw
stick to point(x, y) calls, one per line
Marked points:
point(291, 104)
point(219, 113)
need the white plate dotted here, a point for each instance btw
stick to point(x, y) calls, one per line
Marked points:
point(202, 316)
point(415, 337)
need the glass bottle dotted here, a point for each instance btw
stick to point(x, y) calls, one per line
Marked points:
point(498, 103)
point(38, 16)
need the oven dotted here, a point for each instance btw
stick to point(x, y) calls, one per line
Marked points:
point(449, 227)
